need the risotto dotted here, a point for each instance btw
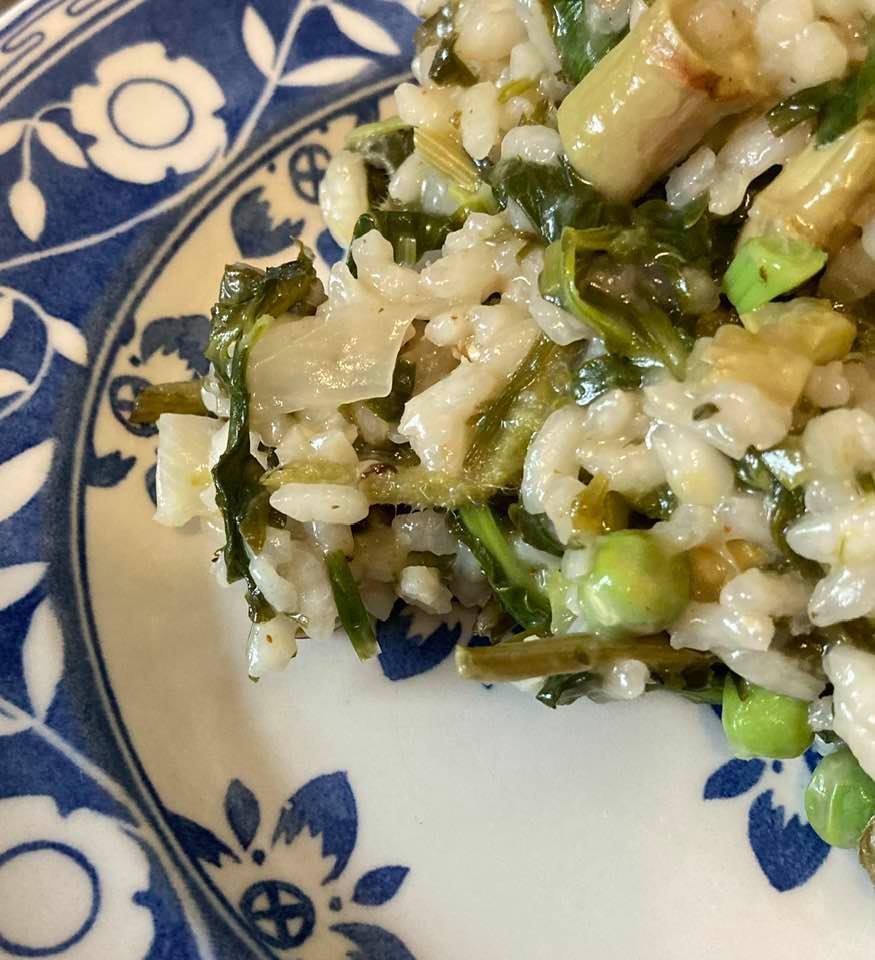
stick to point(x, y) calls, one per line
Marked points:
point(598, 363)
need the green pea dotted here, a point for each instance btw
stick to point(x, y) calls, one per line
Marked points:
point(759, 723)
point(840, 799)
point(635, 586)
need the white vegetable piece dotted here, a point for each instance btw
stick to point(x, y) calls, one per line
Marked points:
point(183, 472)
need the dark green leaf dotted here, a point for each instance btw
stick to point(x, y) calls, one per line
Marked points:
point(752, 472)
point(579, 48)
point(607, 372)
point(384, 146)
point(447, 67)
point(439, 26)
point(784, 508)
point(552, 196)
point(411, 232)
point(536, 531)
point(353, 616)
point(392, 406)
point(799, 107)
point(248, 299)
point(564, 688)
point(182, 397)
point(512, 584)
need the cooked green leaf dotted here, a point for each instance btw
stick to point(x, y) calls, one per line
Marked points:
point(580, 48)
point(607, 372)
point(411, 232)
point(353, 616)
point(248, 302)
point(513, 585)
point(384, 146)
point(537, 531)
point(391, 406)
point(447, 67)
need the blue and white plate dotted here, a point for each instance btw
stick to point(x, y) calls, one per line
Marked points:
point(153, 801)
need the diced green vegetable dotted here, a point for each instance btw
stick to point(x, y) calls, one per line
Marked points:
point(513, 585)
point(446, 154)
point(536, 531)
point(759, 723)
point(658, 504)
point(766, 267)
point(635, 586)
point(392, 406)
point(447, 67)
point(784, 508)
point(415, 486)
point(840, 799)
point(155, 399)
point(353, 616)
point(248, 300)
point(579, 47)
point(601, 374)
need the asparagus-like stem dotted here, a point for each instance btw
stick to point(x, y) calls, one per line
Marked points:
point(817, 194)
point(547, 656)
point(652, 98)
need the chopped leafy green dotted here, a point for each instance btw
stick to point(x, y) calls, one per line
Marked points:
point(535, 530)
point(383, 146)
point(580, 48)
point(784, 508)
point(551, 196)
point(643, 332)
point(248, 301)
point(353, 617)
point(835, 106)
point(155, 399)
point(447, 67)
point(503, 433)
point(436, 28)
point(753, 473)
point(765, 267)
point(391, 406)
point(512, 584)
point(411, 232)
point(607, 372)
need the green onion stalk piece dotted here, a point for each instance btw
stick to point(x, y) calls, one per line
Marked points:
point(766, 267)
point(759, 723)
point(840, 799)
point(155, 399)
point(353, 617)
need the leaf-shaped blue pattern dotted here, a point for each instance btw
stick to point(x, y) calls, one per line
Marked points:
point(789, 854)
point(242, 812)
point(403, 656)
point(199, 842)
point(733, 779)
point(378, 886)
point(326, 805)
point(185, 336)
point(374, 943)
point(254, 229)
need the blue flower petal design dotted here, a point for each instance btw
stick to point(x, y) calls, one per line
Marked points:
point(184, 336)
point(328, 248)
point(254, 229)
point(326, 805)
point(199, 842)
point(379, 886)
point(242, 812)
point(733, 779)
point(374, 943)
point(788, 854)
point(403, 656)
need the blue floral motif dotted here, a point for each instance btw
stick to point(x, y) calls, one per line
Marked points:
point(254, 229)
point(404, 654)
point(788, 852)
point(278, 911)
